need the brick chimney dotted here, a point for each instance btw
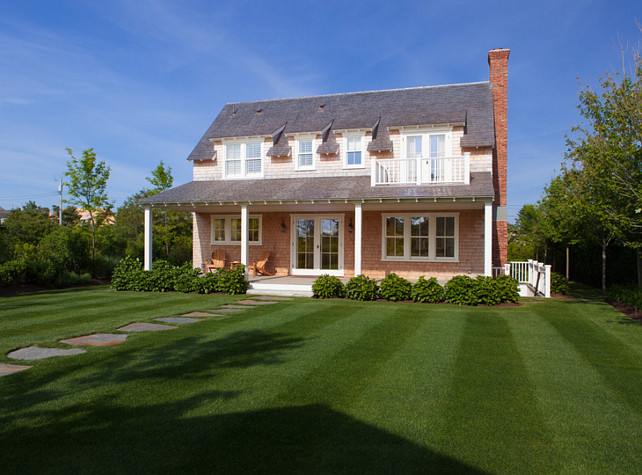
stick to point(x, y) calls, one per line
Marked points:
point(498, 63)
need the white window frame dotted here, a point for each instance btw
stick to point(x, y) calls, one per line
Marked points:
point(243, 158)
point(312, 140)
point(425, 141)
point(228, 229)
point(362, 141)
point(432, 237)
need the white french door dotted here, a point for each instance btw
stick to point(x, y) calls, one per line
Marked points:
point(316, 244)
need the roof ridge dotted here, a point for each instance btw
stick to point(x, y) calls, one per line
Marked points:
point(361, 92)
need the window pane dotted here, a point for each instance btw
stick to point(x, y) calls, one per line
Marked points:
point(394, 247)
point(437, 145)
point(440, 226)
point(354, 158)
point(394, 226)
point(235, 229)
point(450, 226)
point(233, 152)
point(419, 247)
point(219, 229)
point(253, 150)
point(233, 167)
point(254, 230)
point(419, 226)
point(413, 147)
point(253, 166)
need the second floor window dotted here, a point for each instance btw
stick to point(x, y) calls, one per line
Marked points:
point(243, 159)
point(354, 152)
point(305, 159)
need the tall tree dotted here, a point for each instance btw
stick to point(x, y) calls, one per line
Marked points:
point(87, 187)
point(608, 150)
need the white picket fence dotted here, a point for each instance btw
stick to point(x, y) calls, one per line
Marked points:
point(534, 277)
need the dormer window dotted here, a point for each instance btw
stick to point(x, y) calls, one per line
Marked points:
point(305, 156)
point(243, 159)
point(354, 151)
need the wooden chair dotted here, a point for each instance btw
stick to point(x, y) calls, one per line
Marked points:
point(259, 265)
point(217, 261)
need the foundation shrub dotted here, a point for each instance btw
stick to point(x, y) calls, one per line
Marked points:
point(362, 287)
point(507, 288)
point(123, 275)
point(487, 290)
point(233, 281)
point(427, 291)
point(395, 288)
point(328, 287)
point(559, 284)
point(461, 290)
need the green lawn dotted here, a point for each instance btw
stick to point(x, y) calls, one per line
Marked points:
point(322, 386)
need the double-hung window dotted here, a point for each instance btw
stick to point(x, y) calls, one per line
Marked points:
point(243, 159)
point(227, 229)
point(418, 236)
point(354, 151)
point(305, 157)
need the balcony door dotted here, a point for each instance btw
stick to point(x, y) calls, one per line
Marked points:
point(317, 245)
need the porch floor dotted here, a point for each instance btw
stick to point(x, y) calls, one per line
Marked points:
point(289, 285)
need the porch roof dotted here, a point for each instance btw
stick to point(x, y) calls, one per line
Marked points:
point(352, 188)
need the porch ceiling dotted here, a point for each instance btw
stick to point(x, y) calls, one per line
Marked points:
point(316, 191)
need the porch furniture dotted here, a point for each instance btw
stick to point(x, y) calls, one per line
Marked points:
point(259, 265)
point(217, 261)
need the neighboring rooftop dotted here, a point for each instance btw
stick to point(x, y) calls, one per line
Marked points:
point(469, 104)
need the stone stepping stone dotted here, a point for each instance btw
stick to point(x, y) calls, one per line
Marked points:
point(179, 320)
point(270, 297)
point(97, 339)
point(256, 302)
point(6, 369)
point(197, 314)
point(36, 353)
point(228, 310)
point(231, 305)
point(145, 327)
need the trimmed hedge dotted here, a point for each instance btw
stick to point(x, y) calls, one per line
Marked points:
point(395, 288)
point(328, 287)
point(427, 291)
point(164, 277)
point(362, 287)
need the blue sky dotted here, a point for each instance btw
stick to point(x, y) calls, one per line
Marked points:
point(141, 80)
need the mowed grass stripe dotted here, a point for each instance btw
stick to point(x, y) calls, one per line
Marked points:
point(339, 379)
point(422, 370)
point(492, 401)
point(584, 416)
point(619, 366)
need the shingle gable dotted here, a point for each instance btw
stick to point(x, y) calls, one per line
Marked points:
point(469, 104)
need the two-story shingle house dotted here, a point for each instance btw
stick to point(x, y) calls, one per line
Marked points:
point(411, 181)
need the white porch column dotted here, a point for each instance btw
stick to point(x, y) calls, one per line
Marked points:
point(245, 224)
point(148, 238)
point(357, 238)
point(488, 238)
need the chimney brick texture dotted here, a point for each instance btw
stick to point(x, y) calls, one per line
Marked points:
point(498, 63)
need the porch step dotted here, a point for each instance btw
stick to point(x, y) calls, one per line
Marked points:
point(290, 290)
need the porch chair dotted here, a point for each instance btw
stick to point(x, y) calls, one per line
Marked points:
point(259, 265)
point(218, 260)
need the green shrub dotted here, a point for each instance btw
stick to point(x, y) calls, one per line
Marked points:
point(328, 287)
point(461, 290)
point(65, 279)
point(209, 283)
point(628, 295)
point(13, 272)
point(362, 288)
point(233, 281)
point(395, 288)
point(559, 284)
point(487, 290)
point(507, 288)
point(427, 291)
point(125, 272)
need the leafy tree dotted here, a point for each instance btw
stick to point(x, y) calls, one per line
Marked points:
point(28, 225)
point(70, 215)
point(607, 149)
point(87, 186)
point(526, 239)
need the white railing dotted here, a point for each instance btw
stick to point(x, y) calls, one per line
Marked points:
point(535, 275)
point(421, 170)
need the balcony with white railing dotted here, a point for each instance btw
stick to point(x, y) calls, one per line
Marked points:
point(421, 170)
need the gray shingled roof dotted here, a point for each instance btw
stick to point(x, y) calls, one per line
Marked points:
point(319, 188)
point(470, 104)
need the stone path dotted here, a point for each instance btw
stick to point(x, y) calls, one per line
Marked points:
point(36, 353)
point(145, 327)
point(6, 369)
point(179, 320)
point(97, 339)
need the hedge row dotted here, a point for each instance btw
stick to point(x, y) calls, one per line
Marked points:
point(164, 277)
point(460, 290)
point(629, 295)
